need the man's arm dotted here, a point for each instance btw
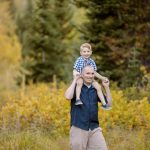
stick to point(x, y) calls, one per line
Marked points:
point(70, 91)
point(108, 93)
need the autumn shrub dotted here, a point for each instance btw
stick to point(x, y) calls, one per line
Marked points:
point(44, 107)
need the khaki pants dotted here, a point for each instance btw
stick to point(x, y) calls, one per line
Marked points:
point(87, 140)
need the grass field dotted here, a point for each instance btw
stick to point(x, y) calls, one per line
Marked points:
point(117, 139)
point(30, 120)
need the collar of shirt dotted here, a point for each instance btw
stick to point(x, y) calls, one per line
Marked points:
point(88, 85)
point(85, 58)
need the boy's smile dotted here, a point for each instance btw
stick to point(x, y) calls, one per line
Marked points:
point(86, 52)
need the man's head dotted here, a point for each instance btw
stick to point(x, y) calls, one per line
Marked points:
point(88, 74)
point(85, 50)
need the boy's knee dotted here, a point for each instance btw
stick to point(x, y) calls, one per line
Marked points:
point(96, 85)
point(80, 82)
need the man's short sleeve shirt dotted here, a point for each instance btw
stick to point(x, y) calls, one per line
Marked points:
point(85, 116)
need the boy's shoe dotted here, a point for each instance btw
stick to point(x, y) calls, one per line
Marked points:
point(78, 102)
point(106, 107)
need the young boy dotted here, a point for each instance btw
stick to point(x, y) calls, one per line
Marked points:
point(80, 63)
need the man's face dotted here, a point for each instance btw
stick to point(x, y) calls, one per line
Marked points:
point(88, 75)
point(86, 52)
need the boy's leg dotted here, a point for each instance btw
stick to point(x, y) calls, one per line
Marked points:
point(100, 95)
point(99, 92)
point(78, 91)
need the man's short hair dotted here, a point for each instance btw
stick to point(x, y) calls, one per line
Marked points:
point(86, 67)
point(85, 45)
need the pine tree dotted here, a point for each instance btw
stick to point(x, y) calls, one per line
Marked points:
point(46, 26)
point(114, 27)
point(133, 75)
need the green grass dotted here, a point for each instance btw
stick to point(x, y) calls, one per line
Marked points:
point(117, 139)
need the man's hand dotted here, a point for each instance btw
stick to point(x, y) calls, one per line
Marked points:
point(105, 83)
point(108, 93)
point(105, 79)
point(77, 77)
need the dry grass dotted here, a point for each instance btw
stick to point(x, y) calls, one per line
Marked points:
point(29, 140)
point(117, 139)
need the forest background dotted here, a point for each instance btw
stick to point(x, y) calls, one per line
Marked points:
point(39, 42)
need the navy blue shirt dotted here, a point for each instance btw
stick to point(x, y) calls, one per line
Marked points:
point(85, 116)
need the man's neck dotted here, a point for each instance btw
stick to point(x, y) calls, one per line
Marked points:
point(88, 85)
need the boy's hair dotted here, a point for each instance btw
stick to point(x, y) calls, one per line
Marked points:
point(87, 45)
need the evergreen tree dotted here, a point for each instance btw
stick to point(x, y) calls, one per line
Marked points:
point(45, 28)
point(133, 75)
point(114, 27)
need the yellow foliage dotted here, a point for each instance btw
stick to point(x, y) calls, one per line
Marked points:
point(127, 114)
point(9, 45)
point(10, 49)
point(44, 107)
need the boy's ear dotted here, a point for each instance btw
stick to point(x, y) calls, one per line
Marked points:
point(80, 52)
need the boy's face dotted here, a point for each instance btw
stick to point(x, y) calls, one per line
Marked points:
point(86, 52)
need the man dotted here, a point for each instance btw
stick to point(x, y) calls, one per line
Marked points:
point(85, 133)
